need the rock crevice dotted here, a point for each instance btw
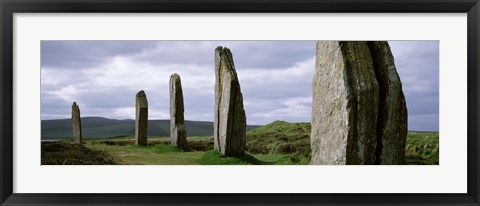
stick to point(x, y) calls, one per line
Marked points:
point(355, 115)
point(392, 116)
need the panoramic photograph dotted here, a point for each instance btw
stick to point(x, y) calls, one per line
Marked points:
point(141, 102)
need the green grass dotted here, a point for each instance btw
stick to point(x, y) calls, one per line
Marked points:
point(422, 148)
point(278, 143)
point(160, 148)
point(279, 137)
point(157, 152)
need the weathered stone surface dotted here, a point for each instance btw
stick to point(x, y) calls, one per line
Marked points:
point(392, 125)
point(229, 120)
point(345, 104)
point(178, 135)
point(76, 123)
point(141, 118)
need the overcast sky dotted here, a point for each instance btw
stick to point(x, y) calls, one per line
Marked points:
point(275, 78)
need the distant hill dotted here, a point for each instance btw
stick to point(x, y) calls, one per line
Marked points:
point(97, 127)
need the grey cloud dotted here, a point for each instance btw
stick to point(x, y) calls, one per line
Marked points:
point(423, 122)
point(275, 78)
point(87, 54)
point(106, 99)
point(270, 54)
point(247, 54)
point(251, 54)
point(417, 63)
point(53, 107)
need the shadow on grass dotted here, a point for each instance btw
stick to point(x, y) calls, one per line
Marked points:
point(160, 148)
point(214, 157)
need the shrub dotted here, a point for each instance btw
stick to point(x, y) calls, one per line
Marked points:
point(59, 153)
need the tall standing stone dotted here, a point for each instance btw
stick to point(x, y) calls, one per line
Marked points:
point(393, 117)
point(141, 118)
point(178, 135)
point(229, 120)
point(345, 104)
point(76, 124)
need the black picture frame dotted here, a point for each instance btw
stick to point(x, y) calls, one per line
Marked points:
point(10, 7)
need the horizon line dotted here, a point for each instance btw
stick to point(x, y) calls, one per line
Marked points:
point(156, 119)
point(212, 122)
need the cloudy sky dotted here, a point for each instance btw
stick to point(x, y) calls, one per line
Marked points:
point(275, 76)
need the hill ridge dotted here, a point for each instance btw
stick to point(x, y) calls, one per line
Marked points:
point(100, 127)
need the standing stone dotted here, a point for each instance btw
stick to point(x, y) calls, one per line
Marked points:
point(229, 120)
point(345, 104)
point(178, 134)
point(393, 117)
point(76, 124)
point(141, 118)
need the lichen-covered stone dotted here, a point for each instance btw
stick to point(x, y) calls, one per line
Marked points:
point(392, 125)
point(141, 118)
point(76, 123)
point(229, 114)
point(345, 104)
point(178, 135)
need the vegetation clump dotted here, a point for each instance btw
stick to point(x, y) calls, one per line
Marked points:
point(62, 153)
point(200, 144)
point(281, 137)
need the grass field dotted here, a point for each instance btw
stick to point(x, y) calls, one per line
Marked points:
point(278, 143)
point(157, 152)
